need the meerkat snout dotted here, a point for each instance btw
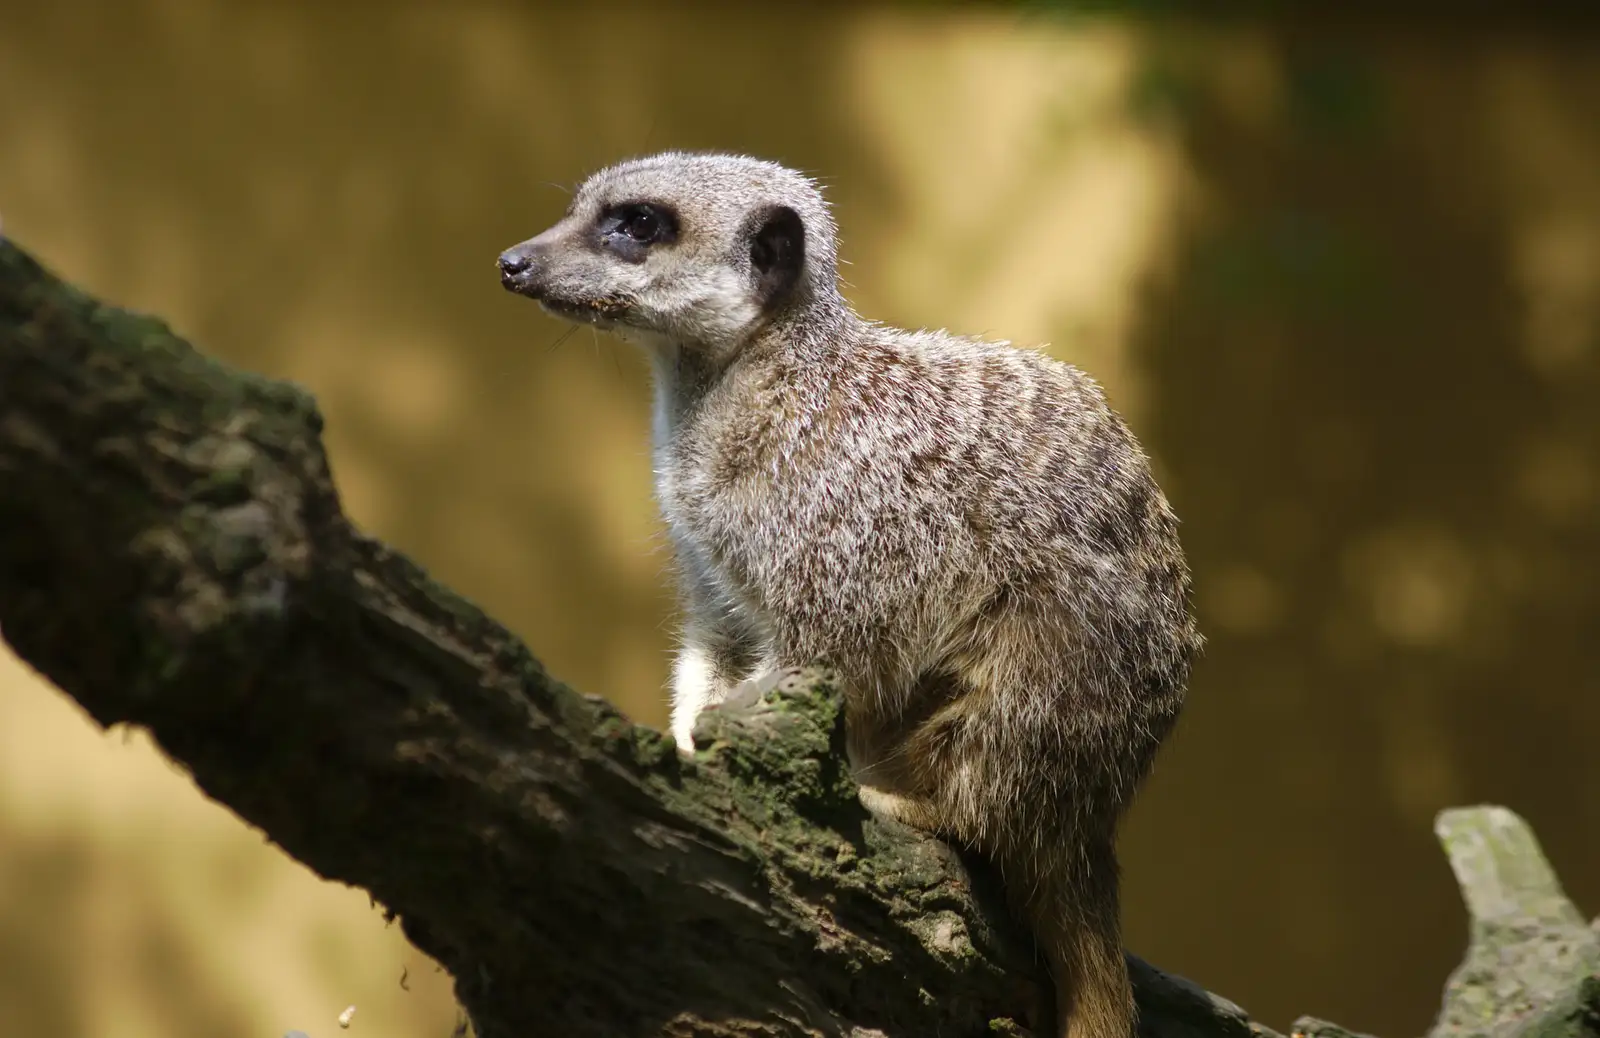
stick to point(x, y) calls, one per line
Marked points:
point(514, 264)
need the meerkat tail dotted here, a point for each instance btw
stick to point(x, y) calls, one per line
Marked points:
point(1074, 917)
point(1093, 995)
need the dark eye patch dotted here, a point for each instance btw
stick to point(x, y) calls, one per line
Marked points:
point(629, 229)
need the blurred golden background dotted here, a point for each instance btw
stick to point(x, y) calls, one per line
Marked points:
point(1344, 281)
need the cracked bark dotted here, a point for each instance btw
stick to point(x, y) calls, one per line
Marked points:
point(173, 555)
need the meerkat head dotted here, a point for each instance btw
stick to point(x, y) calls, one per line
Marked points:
point(700, 250)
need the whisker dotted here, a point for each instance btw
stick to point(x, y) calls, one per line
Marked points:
point(563, 337)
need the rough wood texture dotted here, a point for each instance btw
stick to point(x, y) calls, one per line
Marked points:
point(173, 555)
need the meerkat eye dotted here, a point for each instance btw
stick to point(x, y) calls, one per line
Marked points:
point(627, 227)
point(642, 222)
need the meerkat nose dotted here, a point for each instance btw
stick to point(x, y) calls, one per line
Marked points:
point(514, 261)
point(519, 267)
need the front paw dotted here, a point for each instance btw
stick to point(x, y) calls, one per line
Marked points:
point(743, 699)
point(750, 691)
point(764, 701)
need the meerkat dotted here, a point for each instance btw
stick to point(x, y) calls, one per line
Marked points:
point(962, 530)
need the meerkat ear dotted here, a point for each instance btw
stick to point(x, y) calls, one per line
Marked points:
point(777, 254)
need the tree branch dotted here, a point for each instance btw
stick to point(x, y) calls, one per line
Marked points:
point(173, 555)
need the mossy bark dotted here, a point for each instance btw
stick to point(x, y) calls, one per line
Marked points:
point(173, 555)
